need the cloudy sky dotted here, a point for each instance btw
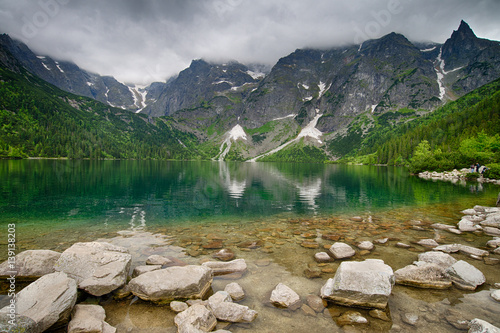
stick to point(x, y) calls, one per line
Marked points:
point(142, 41)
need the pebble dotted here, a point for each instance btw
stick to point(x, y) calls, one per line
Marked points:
point(379, 314)
point(402, 245)
point(315, 302)
point(495, 294)
point(350, 318)
point(307, 310)
point(410, 318)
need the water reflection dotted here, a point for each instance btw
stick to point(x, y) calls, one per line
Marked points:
point(166, 191)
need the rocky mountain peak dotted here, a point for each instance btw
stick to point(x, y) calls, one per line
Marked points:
point(464, 31)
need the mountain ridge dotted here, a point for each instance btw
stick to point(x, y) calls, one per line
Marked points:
point(344, 90)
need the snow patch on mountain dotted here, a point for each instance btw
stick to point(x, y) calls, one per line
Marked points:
point(237, 132)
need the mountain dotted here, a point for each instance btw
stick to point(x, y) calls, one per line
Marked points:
point(469, 62)
point(321, 103)
point(71, 78)
point(38, 119)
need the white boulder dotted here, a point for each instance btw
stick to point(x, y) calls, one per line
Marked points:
point(365, 284)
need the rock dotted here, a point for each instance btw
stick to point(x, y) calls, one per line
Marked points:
point(331, 237)
point(235, 291)
point(32, 263)
point(410, 318)
point(48, 301)
point(479, 209)
point(441, 226)
point(177, 306)
point(365, 284)
point(356, 219)
point(158, 260)
point(469, 250)
point(381, 240)
point(218, 297)
point(177, 282)
point(467, 225)
point(224, 309)
point(379, 314)
point(402, 245)
point(454, 231)
point(423, 275)
point(465, 276)
point(441, 259)
point(250, 244)
point(228, 267)
point(307, 310)
point(88, 318)
point(312, 273)
point(481, 326)
point(22, 324)
point(495, 294)
point(497, 250)
point(309, 245)
point(98, 267)
point(224, 255)
point(197, 316)
point(431, 243)
point(284, 297)
point(365, 245)
point(494, 243)
point(491, 261)
point(322, 257)
point(351, 318)
point(144, 269)
point(491, 231)
point(341, 250)
point(315, 302)
point(449, 248)
point(457, 319)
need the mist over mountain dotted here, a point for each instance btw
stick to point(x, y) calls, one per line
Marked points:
point(316, 95)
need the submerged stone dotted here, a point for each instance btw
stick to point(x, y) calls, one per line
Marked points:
point(366, 284)
point(227, 267)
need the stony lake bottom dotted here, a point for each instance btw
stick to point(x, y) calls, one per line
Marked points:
point(275, 216)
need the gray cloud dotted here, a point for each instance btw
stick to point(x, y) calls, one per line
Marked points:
point(150, 40)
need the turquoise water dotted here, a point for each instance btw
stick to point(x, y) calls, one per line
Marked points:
point(158, 192)
point(283, 207)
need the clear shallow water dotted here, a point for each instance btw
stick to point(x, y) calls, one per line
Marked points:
point(56, 203)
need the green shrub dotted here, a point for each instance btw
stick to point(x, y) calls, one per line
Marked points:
point(472, 176)
point(493, 171)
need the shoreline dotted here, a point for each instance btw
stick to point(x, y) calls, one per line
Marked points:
point(268, 265)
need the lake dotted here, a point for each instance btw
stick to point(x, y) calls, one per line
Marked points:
point(176, 208)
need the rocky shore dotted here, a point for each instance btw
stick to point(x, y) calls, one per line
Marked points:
point(455, 176)
point(67, 287)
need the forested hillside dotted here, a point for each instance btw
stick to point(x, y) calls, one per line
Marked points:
point(458, 134)
point(40, 120)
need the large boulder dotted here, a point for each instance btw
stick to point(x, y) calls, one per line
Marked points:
point(365, 284)
point(177, 282)
point(48, 301)
point(32, 263)
point(465, 276)
point(423, 275)
point(89, 318)
point(227, 267)
point(98, 267)
point(284, 297)
point(341, 250)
